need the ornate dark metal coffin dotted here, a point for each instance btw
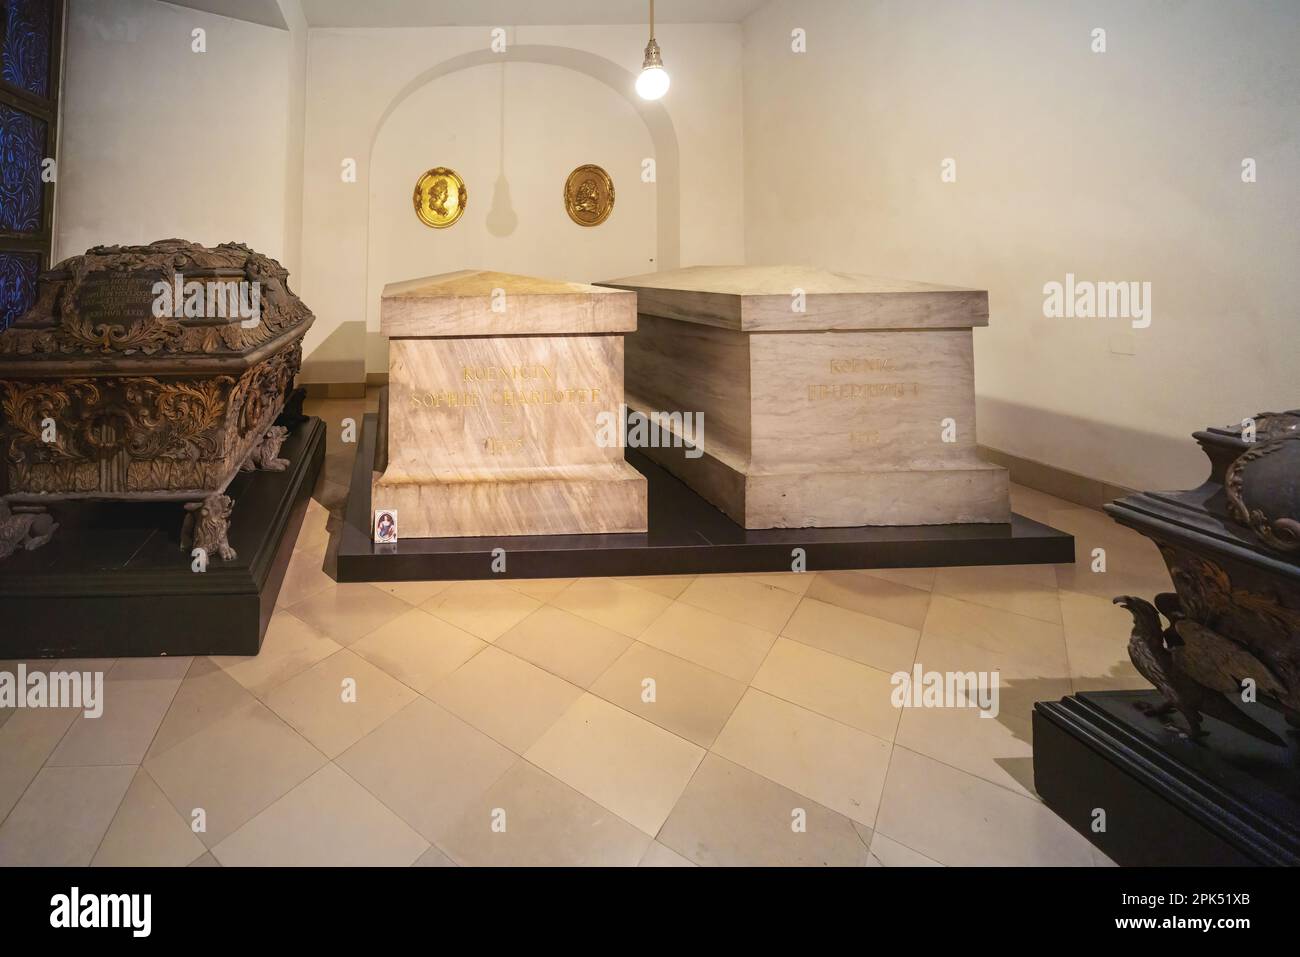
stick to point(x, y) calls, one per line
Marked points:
point(148, 372)
point(1233, 551)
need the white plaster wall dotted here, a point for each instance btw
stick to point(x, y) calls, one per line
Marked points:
point(296, 131)
point(517, 131)
point(354, 76)
point(1116, 166)
point(159, 141)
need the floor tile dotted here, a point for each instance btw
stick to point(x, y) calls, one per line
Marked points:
point(233, 769)
point(529, 819)
point(314, 534)
point(838, 766)
point(1096, 641)
point(625, 608)
point(338, 701)
point(62, 817)
point(689, 700)
point(303, 578)
point(327, 821)
point(413, 593)
point(659, 856)
point(290, 646)
point(922, 578)
point(886, 852)
point(1022, 680)
point(486, 610)
point(835, 687)
point(26, 740)
point(794, 582)
point(427, 765)
point(670, 586)
point(729, 816)
point(1133, 563)
point(164, 668)
point(719, 644)
point(1028, 590)
point(348, 611)
point(741, 599)
point(622, 762)
point(418, 649)
point(508, 699)
point(871, 595)
point(1033, 642)
point(959, 819)
point(573, 648)
point(147, 831)
point(999, 751)
point(870, 641)
point(543, 589)
point(133, 710)
point(433, 858)
point(207, 694)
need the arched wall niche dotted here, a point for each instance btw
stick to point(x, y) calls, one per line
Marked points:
point(485, 193)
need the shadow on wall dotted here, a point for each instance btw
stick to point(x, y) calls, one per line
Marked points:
point(341, 358)
point(1133, 459)
point(502, 218)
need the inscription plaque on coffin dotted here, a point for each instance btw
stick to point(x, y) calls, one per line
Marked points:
point(829, 399)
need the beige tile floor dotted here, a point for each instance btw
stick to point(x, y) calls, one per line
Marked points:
point(677, 721)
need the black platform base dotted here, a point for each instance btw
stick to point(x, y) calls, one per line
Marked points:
point(687, 536)
point(1168, 799)
point(115, 581)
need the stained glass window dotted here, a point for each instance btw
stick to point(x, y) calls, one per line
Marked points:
point(18, 273)
point(22, 147)
point(30, 40)
point(25, 44)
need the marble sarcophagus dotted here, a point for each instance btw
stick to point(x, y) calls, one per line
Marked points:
point(147, 373)
point(498, 388)
point(827, 399)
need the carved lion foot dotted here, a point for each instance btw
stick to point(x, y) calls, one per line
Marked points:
point(265, 454)
point(28, 527)
point(207, 526)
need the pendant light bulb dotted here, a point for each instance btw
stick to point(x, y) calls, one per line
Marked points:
point(653, 81)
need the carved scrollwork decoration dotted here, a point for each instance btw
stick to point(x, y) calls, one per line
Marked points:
point(1280, 532)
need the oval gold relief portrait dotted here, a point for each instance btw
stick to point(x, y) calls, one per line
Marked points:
point(439, 197)
point(588, 195)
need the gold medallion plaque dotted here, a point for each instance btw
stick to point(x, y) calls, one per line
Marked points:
point(588, 195)
point(439, 197)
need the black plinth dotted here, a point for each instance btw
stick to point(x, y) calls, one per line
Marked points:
point(687, 536)
point(115, 581)
point(1169, 800)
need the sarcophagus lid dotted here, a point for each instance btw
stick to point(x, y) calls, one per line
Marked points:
point(167, 306)
point(482, 302)
point(802, 299)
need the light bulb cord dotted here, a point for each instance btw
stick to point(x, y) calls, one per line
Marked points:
point(652, 19)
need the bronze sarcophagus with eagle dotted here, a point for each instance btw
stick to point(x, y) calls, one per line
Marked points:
point(146, 373)
point(1232, 547)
